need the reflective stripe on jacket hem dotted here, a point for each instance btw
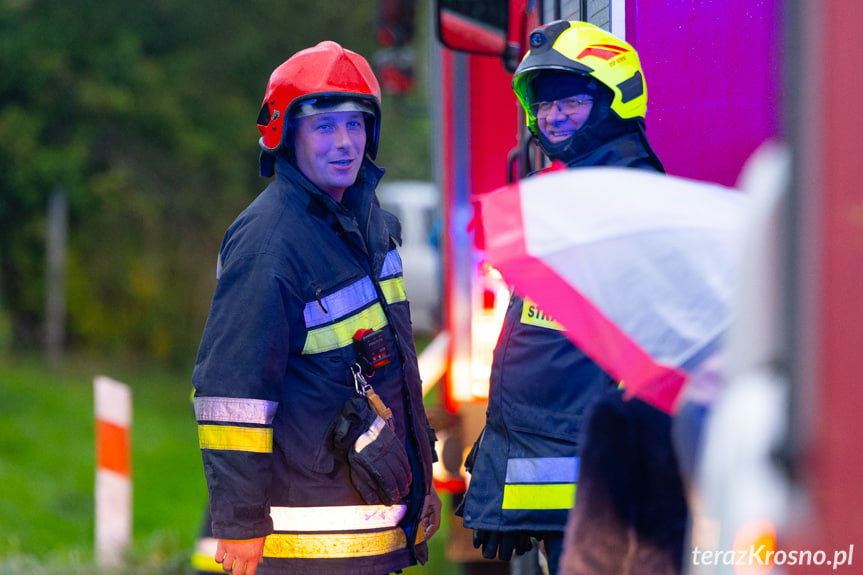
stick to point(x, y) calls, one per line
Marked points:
point(336, 545)
point(346, 518)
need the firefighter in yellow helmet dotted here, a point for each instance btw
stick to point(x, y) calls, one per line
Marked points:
point(585, 98)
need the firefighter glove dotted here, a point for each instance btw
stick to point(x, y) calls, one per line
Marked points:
point(501, 544)
point(379, 466)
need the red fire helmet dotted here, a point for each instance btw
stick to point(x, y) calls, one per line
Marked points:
point(325, 71)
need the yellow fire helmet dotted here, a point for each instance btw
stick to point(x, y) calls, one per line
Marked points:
point(588, 50)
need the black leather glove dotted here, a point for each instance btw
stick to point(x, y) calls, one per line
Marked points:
point(379, 466)
point(501, 544)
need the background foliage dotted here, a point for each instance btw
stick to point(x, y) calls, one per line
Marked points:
point(143, 114)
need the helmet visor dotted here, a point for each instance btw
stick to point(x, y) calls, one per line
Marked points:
point(325, 105)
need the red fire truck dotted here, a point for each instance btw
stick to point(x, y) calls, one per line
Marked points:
point(723, 77)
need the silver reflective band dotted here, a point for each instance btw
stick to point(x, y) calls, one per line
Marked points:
point(348, 518)
point(315, 107)
point(392, 264)
point(369, 436)
point(235, 410)
point(542, 470)
point(339, 304)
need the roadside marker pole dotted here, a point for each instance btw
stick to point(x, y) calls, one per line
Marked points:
point(113, 409)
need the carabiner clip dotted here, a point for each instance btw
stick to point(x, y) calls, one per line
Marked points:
point(360, 384)
point(365, 389)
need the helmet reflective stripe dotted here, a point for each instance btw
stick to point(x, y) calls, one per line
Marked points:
point(585, 49)
point(336, 518)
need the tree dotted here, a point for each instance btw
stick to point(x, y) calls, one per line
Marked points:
point(145, 114)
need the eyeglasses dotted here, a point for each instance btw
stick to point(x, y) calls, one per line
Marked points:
point(566, 106)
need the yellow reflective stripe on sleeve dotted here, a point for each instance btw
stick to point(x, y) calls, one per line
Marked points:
point(532, 315)
point(394, 290)
point(541, 496)
point(333, 545)
point(233, 438)
point(341, 334)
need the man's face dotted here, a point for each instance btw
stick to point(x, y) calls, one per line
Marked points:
point(329, 149)
point(560, 119)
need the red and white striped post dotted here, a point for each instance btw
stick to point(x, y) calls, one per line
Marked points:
point(113, 408)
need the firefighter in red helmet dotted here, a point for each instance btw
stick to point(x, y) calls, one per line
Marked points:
point(316, 447)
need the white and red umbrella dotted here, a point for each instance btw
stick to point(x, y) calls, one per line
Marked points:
point(637, 266)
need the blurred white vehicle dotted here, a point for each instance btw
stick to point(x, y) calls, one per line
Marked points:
point(417, 205)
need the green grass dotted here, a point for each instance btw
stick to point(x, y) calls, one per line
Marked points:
point(47, 471)
point(47, 467)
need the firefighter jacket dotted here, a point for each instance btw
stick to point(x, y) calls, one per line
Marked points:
point(524, 466)
point(299, 275)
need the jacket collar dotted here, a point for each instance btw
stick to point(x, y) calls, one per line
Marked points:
point(352, 215)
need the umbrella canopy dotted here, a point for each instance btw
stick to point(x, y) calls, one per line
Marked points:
point(638, 267)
